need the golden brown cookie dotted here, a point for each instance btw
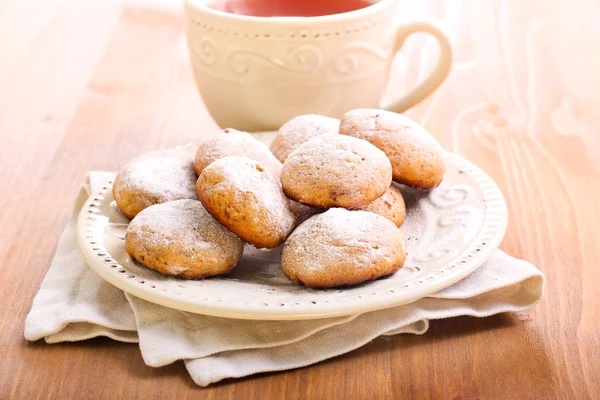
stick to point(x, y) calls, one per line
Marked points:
point(180, 238)
point(154, 178)
point(341, 248)
point(390, 205)
point(302, 212)
point(300, 130)
point(233, 143)
point(334, 170)
point(417, 158)
point(243, 196)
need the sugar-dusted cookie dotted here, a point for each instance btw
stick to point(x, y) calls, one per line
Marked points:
point(417, 158)
point(334, 170)
point(300, 130)
point(390, 205)
point(342, 247)
point(243, 196)
point(154, 178)
point(180, 238)
point(233, 143)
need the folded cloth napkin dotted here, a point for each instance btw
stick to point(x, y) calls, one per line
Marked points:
point(75, 304)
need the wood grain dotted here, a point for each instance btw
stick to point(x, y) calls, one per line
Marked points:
point(88, 85)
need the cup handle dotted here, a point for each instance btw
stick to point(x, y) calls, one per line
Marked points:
point(436, 77)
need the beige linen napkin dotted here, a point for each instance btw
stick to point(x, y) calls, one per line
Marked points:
point(74, 304)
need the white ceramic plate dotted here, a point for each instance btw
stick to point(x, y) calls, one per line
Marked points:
point(450, 232)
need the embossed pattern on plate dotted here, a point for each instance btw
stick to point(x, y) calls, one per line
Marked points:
point(450, 231)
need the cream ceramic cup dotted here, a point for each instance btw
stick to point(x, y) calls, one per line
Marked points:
point(256, 73)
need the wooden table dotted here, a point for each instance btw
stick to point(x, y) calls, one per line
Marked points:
point(88, 85)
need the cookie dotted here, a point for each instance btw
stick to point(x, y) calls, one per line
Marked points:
point(390, 205)
point(334, 170)
point(233, 143)
point(302, 212)
point(417, 158)
point(154, 178)
point(180, 238)
point(342, 248)
point(300, 130)
point(243, 196)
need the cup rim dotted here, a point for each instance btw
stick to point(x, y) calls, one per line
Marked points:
point(200, 5)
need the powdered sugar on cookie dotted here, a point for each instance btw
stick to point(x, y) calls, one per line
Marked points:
point(342, 247)
point(181, 238)
point(234, 143)
point(244, 197)
point(417, 158)
point(154, 178)
point(333, 170)
point(300, 130)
